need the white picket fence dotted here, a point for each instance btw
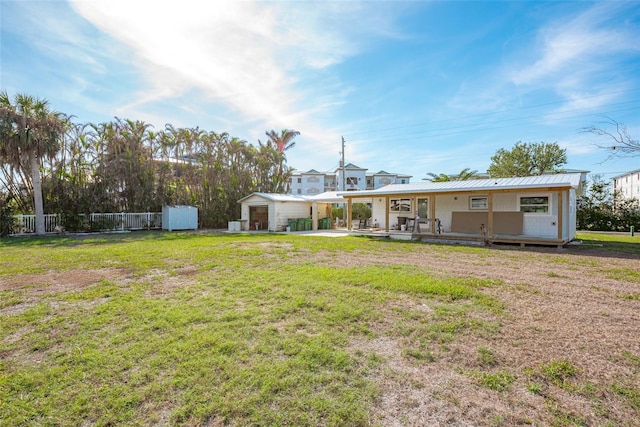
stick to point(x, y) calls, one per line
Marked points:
point(26, 224)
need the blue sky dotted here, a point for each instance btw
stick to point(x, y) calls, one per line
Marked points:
point(414, 87)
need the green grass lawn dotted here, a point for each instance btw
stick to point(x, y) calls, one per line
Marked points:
point(192, 329)
point(197, 328)
point(614, 242)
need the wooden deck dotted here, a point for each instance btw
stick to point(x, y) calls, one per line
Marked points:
point(468, 238)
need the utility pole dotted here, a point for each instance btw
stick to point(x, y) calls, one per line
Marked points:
point(344, 181)
point(344, 174)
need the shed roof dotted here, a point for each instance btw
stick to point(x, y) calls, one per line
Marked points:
point(326, 197)
point(572, 180)
point(274, 197)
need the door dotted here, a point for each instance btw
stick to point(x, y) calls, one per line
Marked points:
point(258, 217)
point(423, 208)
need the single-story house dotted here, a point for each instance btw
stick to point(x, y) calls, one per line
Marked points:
point(528, 210)
point(268, 211)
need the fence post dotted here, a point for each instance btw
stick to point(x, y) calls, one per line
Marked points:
point(122, 221)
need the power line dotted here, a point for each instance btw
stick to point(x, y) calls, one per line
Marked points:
point(493, 112)
point(479, 127)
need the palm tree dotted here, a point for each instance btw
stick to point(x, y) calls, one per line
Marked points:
point(464, 175)
point(284, 141)
point(443, 177)
point(29, 131)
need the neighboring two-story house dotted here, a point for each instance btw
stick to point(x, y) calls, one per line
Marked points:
point(355, 178)
point(627, 185)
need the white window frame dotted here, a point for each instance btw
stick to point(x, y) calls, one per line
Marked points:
point(399, 205)
point(535, 195)
point(474, 206)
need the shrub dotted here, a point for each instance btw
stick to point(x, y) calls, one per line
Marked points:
point(7, 221)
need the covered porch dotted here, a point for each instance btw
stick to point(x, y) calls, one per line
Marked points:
point(508, 210)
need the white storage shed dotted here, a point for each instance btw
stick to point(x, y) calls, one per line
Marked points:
point(179, 218)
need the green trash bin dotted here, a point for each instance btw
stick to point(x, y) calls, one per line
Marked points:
point(307, 224)
point(326, 223)
point(300, 224)
point(293, 224)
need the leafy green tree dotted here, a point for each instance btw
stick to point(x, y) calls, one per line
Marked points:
point(29, 132)
point(527, 159)
point(124, 165)
point(6, 215)
point(601, 210)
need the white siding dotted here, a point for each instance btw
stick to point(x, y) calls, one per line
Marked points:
point(628, 185)
point(505, 202)
point(571, 230)
point(378, 212)
point(283, 211)
point(447, 204)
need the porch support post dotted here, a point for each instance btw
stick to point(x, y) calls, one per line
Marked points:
point(560, 216)
point(432, 213)
point(349, 203)
point(386, 213)
point(314, 216)
point(490, 214)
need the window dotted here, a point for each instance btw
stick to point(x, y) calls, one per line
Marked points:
point(534, 204)
point(299, 190)
point(299, 180)
point(352, 181)
point(478, 202)
point(400, 205)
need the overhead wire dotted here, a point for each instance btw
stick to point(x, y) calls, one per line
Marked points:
point(351, 134)
point(475, 127)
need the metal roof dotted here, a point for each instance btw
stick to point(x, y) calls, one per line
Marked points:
point(276, 197)
point(572, 180)
point(626, 174)
point(326, 197)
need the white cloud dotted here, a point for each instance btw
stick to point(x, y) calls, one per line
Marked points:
point(262, 64)
point(261, 61)
point(248, 56)
point(569, 52)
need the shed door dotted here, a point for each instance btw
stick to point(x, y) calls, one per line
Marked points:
point(259, 215)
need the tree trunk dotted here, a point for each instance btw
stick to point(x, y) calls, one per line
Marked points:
point(37, 192)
